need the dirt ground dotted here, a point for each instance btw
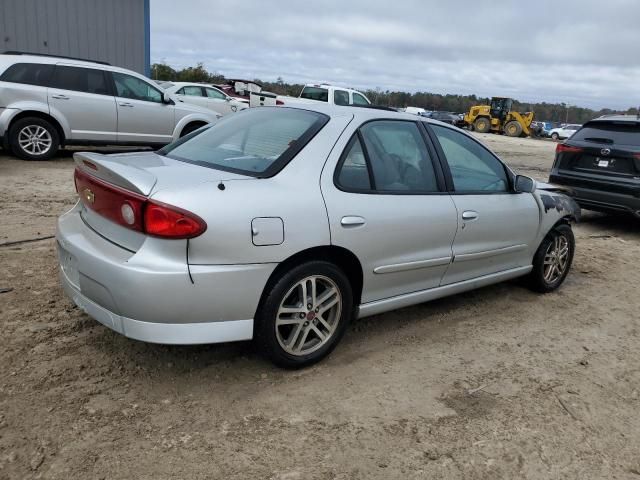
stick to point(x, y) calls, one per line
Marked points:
point(499, 383)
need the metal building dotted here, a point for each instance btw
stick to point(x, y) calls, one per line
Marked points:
point(113, 31)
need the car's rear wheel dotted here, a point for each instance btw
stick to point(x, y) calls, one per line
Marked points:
point(33, 138)
point(304, 314)
point(482, 125)
point(555, 136)
point(552, 260)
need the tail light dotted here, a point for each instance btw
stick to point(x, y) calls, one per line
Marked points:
point(279, 102)
point(165, 221)
point(561, 147)
point(135, 211)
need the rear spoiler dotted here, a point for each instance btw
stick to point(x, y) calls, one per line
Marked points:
point(117, 171)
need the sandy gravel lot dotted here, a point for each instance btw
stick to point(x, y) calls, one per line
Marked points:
point(499, 383)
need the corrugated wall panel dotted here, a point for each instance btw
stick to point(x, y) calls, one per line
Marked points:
point(107, 30)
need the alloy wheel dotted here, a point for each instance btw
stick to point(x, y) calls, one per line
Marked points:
point(35, 140)
point(556, 259)
point(308, 315)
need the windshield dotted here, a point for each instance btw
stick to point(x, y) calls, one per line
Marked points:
point(258, 142)
point(621, 133)
point(315, 93)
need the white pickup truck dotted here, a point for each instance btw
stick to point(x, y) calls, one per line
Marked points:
point(328, 94)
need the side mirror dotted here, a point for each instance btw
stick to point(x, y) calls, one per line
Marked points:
point(524, 184)
point(167, 99)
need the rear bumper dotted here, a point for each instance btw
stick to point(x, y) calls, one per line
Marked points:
point(594, 195)
point(149, 297)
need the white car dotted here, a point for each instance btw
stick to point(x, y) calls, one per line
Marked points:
point(204, 96)
point(564, 132)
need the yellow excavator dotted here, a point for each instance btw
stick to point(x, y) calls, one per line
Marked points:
point(499, 118)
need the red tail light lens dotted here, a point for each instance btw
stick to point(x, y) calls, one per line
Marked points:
point(135, 211)
point(161, 220)
point(279, 102)
point(561, 147)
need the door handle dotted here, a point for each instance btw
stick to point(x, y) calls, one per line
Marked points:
point(59, 96)
point(125, 104)
point(352, 221)
point(469, 215)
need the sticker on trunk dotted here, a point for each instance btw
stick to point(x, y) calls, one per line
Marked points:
point(603, 163)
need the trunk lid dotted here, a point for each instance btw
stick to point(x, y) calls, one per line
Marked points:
point(141, 174)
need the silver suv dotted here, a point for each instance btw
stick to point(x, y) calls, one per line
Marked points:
point(47, 102)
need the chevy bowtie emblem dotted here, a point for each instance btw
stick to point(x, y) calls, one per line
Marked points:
point(88, 195)
point(605, 152)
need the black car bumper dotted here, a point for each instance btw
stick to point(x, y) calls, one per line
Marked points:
point(600, 195)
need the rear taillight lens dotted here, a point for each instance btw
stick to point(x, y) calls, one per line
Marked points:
point(561, 147)
point(166, 221)
point(136, 211)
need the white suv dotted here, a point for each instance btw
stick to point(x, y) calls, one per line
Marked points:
point(47, 102)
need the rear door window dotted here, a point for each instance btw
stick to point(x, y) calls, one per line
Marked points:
point(619, 133)
point(353, 173)
point(192, 91)
point(80, 79)
point(387, 156)
point(341, 97)
point(28, 73)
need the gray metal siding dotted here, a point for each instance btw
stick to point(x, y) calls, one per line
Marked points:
point(111, 31)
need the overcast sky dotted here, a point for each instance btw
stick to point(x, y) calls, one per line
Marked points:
point(582, 52)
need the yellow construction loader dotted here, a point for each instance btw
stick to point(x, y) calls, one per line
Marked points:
point(499, 118)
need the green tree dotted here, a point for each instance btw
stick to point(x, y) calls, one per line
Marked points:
point(162, 71)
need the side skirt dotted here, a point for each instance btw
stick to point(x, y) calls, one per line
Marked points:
point(408, 299)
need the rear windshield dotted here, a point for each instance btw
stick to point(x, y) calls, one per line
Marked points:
point(315, 93)
point(257, 141)
point(618, 133)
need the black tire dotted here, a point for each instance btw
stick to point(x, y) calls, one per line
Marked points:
point(555, 136)
point(482, 125)
point(268, 337)
point(20, 128)
point(513, 129)
point(536, 280)
point(470, 127)
point(191, 127)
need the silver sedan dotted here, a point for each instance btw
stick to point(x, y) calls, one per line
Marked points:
point(283, 224)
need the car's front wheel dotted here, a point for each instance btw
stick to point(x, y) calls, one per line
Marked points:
point(555, 136)
point(552, 260)
point(33, 138)
point(304, 314)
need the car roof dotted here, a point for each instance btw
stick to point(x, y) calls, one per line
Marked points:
point(617, 118)
point(195, 84)
point(10, 59)
point(362, 113)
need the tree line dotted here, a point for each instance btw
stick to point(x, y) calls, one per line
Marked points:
point(548, 112)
